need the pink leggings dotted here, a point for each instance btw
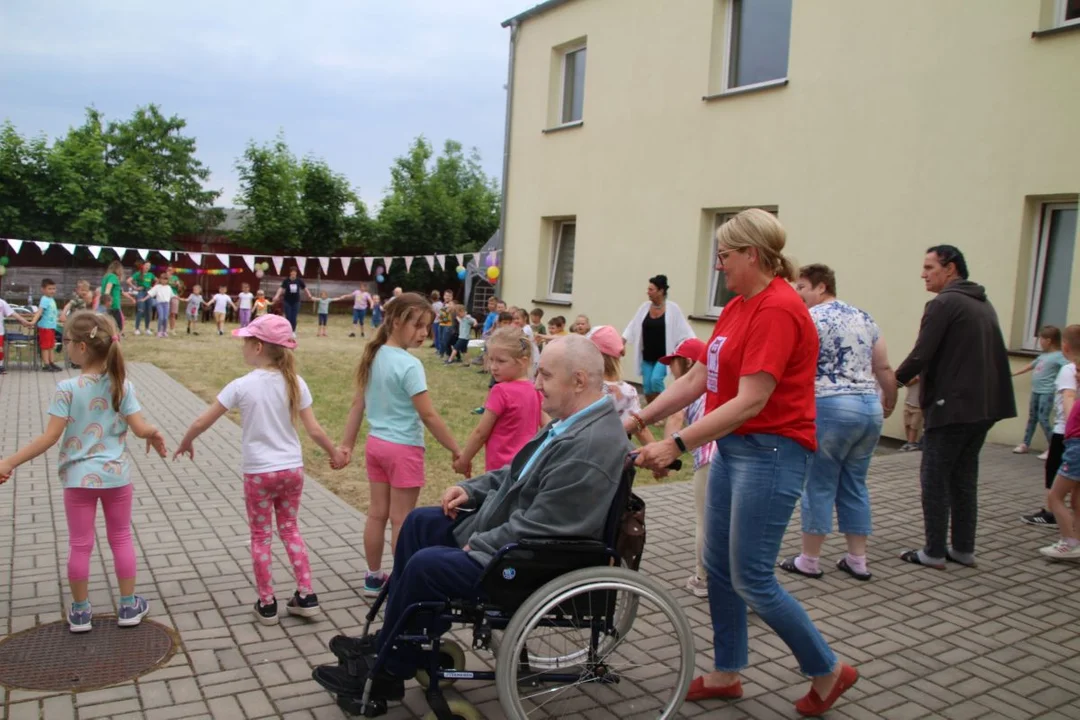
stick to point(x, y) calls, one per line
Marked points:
point(81, 507)
point(268, 494)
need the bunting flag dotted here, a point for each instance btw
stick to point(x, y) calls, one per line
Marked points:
point(345, 263)
point(460, 259)
point(388, 261)
point(249, 260)
point(42, 245)
point(95, 250)
point(142, 253)
point(70, 247)
point(222, 258)
point(369, 261)
point(278, 261)
point(301, 264)
point(195, 258)
point(408, 263)
point(441, 261)
point(430, 261)
point(325, 263)
point(168, 254)
point(16, 245)
point(120, 252)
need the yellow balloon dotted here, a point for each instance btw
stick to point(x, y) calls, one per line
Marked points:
point(493, 273)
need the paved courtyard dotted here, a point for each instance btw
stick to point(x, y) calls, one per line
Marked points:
point(1000, 641)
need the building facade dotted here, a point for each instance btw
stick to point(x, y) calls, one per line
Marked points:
point(874, 130)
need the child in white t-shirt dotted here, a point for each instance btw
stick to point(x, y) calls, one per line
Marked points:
point(246, 300)
point(5, 312)
point(221, 303)
point(162, 295)
point(272, 399)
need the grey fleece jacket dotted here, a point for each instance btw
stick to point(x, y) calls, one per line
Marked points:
point(567, 492)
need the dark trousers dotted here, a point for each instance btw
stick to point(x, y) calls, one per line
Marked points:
point(950, 478)
point(292, 312)
point(428, 566)
point(1053, 458)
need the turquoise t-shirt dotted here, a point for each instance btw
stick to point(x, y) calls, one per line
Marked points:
point(49, 313)
point(324, 306)
point(396, 376)
point(1047, 367)
point(92, 449)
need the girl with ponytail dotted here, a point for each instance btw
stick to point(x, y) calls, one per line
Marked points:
point(272, 400)
point(91, 414)
point(392, 388)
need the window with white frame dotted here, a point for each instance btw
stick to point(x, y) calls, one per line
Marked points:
point(1051, 276)
point(719, 295)
point(561, 284)
point(758, 40)
point(573, 85)
point(1068, 12)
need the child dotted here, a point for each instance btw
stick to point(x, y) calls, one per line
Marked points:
point(556, 328)
point(91, 413)
point(376, 311)
point(262, 305)
point(1046, 368)
point(686, 355)
point(221, 303)
point(1064, 398)
point(512, 413)
point(536, 317)
point(246, 300)
point(162, 295)
point(112, 287)
point(83, 299)
point(436, 305)
point(1068, 475)
point(466, 323)
point(195, 305)
point(521, 320)
point(913, 418)
point(391, 386)
point(624, 395)
point(272, 398)
point(361, 302)
point(324, 311)
point(46, 316)
point(6, 311)
point(446, 324)
point(582, 326)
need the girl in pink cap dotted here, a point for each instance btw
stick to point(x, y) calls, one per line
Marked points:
point(625, 396)
point(272, 399)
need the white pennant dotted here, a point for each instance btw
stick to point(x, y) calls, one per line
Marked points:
point(369, 261)
point(42, 245)
point(301, 264)
point(278, 260)
point(16, 245)
point(143, 253)
point(167, 254)
point(223, 259)
point(441, 260)
point(345, 263)
point(408, 263)
point(120, 252)
point(70, 247)
point(460, 258)
point(249, 260)
point(387, 261)
point(196, 258)
point(325, 263)
point(95, 250)
point(430, 261)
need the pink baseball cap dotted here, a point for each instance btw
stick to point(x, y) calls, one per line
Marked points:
point(691, 349)
point(272, 329)
point(608, 340)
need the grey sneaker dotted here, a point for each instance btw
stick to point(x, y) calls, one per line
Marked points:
point(80, 621)
point(132, 615)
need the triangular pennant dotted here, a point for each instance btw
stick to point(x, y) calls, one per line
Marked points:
point(167, 254)
point(195, 258)
point(278, 261)
point(222, 258)
point(441, 260)
point(42, 245)
point(16, 245)
point(301, 264)
point(369, 261)
point(143, 253)
point(325, 263)
point(345, 263)
point(70, 247)
point(408, 263)
point(388, 261)
point(460, 258)
point(120, 252)
point(430, 261)
point(249, 260)
point(95, 250)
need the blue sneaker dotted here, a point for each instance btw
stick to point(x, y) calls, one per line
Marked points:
point(132, 615)
point(373, 583)
point(80, 621)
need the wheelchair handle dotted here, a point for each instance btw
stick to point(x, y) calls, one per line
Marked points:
point(675, 466)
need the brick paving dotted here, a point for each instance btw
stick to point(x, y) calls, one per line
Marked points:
point(1000, 641)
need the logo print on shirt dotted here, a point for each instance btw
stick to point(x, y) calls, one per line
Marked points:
point(712, 382)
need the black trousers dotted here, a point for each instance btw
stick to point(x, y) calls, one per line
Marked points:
point(950, 478)
point(1053, 458)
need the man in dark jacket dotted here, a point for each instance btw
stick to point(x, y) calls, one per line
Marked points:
point(963, 370)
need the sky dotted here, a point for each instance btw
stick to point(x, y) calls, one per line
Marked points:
point(351, 81)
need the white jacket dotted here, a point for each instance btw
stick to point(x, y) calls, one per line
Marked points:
point(676, 329)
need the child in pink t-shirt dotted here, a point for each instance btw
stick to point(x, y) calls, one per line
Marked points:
point(512, 413)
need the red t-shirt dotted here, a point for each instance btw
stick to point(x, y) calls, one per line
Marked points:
point(771, 332)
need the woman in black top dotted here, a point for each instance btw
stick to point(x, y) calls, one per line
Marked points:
point(289, 293)
point(657, 329)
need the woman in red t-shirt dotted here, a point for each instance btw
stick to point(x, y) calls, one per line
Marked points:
point(757, 373)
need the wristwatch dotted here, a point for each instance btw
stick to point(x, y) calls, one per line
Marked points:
point(678, 441)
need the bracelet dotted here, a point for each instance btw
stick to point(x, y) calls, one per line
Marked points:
point(679, 441)
point(637, 419)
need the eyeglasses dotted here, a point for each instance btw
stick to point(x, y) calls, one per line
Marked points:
point(721, 254)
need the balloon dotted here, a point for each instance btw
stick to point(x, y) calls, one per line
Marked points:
point(489, 259)
point(380, 278)
point(266, 266)
point(493, 273)
point(4, 261)
point(3, 270)
point(460, 272)
point(259, 273)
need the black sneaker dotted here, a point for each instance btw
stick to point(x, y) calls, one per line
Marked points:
point(307, 606)
point(55, 367)
point(189, 331)
point(3, 371)
point(352, 334)
point(351, 648)
point(1043, 518)
point(267, 614)
point(76, 367)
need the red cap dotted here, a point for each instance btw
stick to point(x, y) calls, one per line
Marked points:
point(690, 349)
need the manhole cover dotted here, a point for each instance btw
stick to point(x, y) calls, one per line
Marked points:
point(51, 657)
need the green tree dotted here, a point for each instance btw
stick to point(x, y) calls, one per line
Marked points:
point(326, 203)
point(270, 191)
point(80, 174)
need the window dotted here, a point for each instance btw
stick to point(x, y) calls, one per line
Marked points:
point(573, 86)
point(719, 295)
point(758, 39)
point(1068, 12)
point(562, 261)
point(1055, 243)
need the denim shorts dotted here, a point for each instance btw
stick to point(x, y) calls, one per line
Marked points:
point(1070, 460)
point(358, 315)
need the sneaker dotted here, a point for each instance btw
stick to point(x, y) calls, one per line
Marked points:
point(80, 621)
point(220, 332)
point(3, 370)
point(1061, 550)
point(1045, 455)
point(373, 583)
point(307, 606)
point(909, 447)
point(138, 332)
point(698, 586)
point(352, 334)
point(267, 614)
point(132, 615)
point(1020, 449)
point(1043, 518)
point(189, 331)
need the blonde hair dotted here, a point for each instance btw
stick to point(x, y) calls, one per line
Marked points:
point(116, 268)
point(513, 341)
point(282, 359)
point(404, 309)
point(612, 368)
point(758, 229)
point(102, 340)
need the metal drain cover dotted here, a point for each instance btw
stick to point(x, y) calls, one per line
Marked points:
point(51, 657)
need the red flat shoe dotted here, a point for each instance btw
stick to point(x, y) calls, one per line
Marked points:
point(811, 704)
point(698, 691)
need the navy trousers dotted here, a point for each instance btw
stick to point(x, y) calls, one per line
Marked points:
point(428, 566)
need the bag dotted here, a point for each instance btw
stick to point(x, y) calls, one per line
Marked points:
point(630, 543)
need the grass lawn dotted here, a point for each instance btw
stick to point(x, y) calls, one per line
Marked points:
point(206, 363)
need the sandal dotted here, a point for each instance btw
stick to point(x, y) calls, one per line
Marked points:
point(842, 564)
point(912, 556)
point(789, 565)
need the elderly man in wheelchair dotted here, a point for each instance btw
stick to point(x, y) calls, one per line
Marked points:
point(519, 551)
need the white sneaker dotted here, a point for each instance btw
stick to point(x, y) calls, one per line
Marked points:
point(138, 332)
point(1061, 550)
point(1021, 449)
point(1045, 456)
point(698, 586)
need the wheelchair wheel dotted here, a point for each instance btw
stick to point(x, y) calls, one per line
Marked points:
point(642, 672)
point(451, 657)
point(461, 710)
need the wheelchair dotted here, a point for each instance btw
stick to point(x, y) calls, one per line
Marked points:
point(575, 630)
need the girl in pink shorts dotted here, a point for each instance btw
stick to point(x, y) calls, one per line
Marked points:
point(392, 388)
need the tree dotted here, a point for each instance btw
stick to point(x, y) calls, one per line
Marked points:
point(270, 191)
point(325, 200)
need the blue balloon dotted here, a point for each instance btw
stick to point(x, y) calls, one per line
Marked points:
point(461, 274)
point(380, 278)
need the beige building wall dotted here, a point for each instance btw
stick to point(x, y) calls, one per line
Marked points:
point(900, 127)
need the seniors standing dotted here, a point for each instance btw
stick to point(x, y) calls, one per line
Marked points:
point(963, 368)
point(852, 367)
point(757, 373)
point(657, 329)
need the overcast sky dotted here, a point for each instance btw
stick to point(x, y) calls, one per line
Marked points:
point(353, 81)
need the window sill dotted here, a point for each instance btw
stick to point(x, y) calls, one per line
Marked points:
point(748, 90)
point(564, 126)
point(1060, 29)
point(705, 318)
point(552, 301)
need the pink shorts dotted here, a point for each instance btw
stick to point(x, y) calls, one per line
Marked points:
point(402, 466)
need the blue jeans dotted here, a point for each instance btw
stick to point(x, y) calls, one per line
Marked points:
point(358, 316)
point(292, 313)
point(652, 377)
point(848, 428)
point(142, 309)
point(162, 317)
point(1039, 408)
point(754, 483)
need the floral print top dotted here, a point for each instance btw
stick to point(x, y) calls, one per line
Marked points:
point(845, 358)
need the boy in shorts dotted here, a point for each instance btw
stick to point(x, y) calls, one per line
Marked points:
point(46, 318)
point(1067, 481)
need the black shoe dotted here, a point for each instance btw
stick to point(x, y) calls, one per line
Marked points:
point(1043, 518)
point(352, 648)
point(189, 331)
point(307, 606)
point(55, 367)
point(267, 614)
point(3, 371)
point(338, 680)
point(76, 367)
point(352, 334)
